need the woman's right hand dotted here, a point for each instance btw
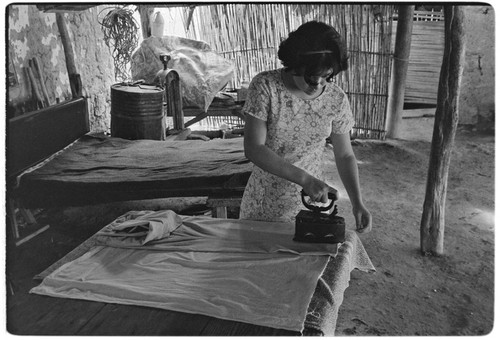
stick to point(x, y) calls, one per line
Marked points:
point(318, 190)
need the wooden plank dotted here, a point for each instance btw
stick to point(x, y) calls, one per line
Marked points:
point(213, 111)
point(37, 229)
point(418, 113)
point(48, 315)
point(218, 327)
point(90, 194)
point(116, 319)
point(34, 136)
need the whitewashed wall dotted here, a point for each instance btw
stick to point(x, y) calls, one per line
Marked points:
point(31, 32)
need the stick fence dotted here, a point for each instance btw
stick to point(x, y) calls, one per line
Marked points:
point(249, 35)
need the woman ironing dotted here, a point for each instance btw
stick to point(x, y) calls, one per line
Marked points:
point(289, 113)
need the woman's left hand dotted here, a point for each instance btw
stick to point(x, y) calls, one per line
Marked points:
point(363, 219)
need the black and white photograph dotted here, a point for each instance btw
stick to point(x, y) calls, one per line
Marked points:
point(249, 169)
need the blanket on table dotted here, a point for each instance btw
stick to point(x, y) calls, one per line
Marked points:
point(105, 169)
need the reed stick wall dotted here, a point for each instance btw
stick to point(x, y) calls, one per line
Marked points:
point(426, 57)
point(249, 34)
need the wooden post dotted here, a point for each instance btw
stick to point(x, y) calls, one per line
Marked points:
point(74, 78)
point(145, 12)
point(445, 126)
point(190, 17)
point(397, 85)
point(174, 99)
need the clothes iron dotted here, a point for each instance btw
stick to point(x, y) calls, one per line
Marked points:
point(314, 226)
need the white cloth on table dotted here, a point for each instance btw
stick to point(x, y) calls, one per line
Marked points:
point(262, 277)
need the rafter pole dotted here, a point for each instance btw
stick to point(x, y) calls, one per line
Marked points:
point(74, 78)
point(145, 11)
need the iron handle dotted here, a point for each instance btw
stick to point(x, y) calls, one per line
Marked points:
point(331, 197)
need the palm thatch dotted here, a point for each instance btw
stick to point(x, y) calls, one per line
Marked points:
point(249, 34)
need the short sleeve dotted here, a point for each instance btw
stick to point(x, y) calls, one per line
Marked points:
point(257, 103)
point(343, 120)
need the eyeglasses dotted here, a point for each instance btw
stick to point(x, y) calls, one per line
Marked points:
point(317, 79)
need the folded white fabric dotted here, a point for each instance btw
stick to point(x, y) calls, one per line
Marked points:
point(146, 226)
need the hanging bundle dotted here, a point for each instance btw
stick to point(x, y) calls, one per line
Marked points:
point(120, 33)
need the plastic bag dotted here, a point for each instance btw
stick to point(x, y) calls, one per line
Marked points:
point(201, 70)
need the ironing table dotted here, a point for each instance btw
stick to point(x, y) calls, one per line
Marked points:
point(75, 316)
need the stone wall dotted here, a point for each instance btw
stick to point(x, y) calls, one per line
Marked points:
point(477, 93)
point(33, 33)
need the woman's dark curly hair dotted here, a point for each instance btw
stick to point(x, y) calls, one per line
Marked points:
point(314, 47)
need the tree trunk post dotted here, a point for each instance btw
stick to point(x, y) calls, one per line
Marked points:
point(445, 126)
point(145, 12)
point(397, 85)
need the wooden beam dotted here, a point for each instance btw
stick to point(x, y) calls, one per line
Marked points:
point(174, 98)
point(399, 70)
point(145, 12)
point(190, 17)
point(74, 78)
point(445, 126)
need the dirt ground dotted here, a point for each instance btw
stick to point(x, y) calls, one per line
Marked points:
point(412, 294)
point(409, 294)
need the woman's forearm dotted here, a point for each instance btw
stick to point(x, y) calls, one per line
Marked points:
point(348, 172)
point(347, 167)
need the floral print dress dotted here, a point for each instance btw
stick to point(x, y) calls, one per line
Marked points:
point(296, 131)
